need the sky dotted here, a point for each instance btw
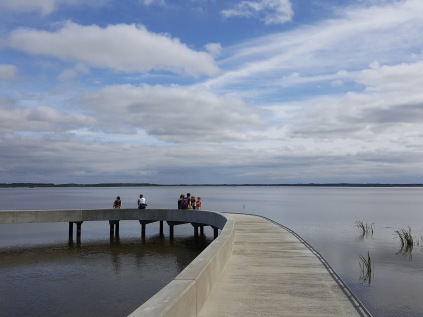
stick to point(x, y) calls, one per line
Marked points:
point(211, 91)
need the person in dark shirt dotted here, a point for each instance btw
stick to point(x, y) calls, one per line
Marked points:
point(117, 204)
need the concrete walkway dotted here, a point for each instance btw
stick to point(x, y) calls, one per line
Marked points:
point(271, 273)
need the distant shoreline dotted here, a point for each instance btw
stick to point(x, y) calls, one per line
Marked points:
point(33, 185)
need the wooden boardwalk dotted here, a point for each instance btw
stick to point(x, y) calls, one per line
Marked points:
point(272, 273)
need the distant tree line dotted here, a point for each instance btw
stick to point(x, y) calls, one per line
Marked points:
point(30, 185)
point(26, 185)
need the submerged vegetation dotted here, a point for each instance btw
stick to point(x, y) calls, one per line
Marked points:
point(407, 241)
point(405, 237)
point(366, 266)
point(366, 229)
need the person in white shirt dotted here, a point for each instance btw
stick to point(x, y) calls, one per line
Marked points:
point(141, 202)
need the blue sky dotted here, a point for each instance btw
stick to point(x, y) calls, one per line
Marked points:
point(207, 91)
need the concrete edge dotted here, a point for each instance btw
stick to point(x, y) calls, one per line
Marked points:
point(186, 294)
point(40, 216)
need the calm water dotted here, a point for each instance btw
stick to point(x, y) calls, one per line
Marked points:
point(37, 265)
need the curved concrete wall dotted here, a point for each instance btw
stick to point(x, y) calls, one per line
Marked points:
point(195, 216)
point(186, 294)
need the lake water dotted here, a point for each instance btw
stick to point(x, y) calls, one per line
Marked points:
point(37, 265)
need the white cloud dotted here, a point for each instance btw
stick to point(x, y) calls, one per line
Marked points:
point(73, 73)
point(403, 78)
point(388, 33)
point(337, 100)
point(43, 6)
point(66, 159)
point(161, 114)
point(41, 119)
point(153, 2)
point(387, 114)
point(172, 114)
point(270, 11)
point(8, 72)
point(214, 48)
point(121, 47)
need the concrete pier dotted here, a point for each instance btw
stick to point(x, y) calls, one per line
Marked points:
point(271, 273)
point(173, 217)
point(253, 268)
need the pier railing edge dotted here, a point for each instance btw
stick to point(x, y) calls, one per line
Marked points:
point(186, 294)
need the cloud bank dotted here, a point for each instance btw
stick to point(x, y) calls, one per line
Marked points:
point(337, 99)
point(122, 47)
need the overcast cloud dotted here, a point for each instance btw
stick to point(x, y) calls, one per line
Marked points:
point(268, 91)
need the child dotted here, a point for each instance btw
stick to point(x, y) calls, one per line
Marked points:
point(198, 203)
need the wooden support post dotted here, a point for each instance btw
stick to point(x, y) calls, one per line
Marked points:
point(216, 232)
point(143, 224)
point(114, 227)
point(143, 227)
point(196, 231)
point(78, 232)
point(161, 228)
point(70, 230)
point(171, 231)
point(201, 230)
point(78, 229)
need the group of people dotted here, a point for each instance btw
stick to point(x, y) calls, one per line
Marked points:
point(189, 202)
point(184, 202)
point(117, 204)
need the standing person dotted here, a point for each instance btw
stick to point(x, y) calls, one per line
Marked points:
point(141, 202)
point(180, 201)
point(193, 202)
point(188, 199)
point(198, 203)
point(117, 204)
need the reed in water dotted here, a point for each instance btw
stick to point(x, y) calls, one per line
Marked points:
point(365, 228)
point(366, 266)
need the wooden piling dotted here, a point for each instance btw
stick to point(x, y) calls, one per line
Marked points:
point(143, 227)
point(171, 231)
point(114, 227)
point(70, 230)
point(78, 229)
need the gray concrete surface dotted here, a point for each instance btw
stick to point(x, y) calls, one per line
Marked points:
point(271, 273)
point(37, 216)
point(186, 294)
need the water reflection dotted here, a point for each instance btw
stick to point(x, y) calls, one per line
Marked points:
point(366, 266)
point(106, 277)
point(407, 242)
